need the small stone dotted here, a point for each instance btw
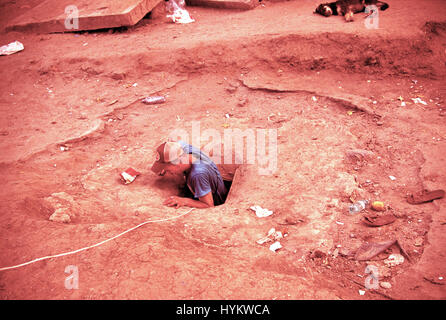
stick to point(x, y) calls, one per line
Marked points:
point(385, 285)
point(418, 242)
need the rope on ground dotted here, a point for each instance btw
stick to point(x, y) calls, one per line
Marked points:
point(95, 245)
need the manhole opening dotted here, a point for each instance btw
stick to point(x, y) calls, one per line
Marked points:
point(228, 173)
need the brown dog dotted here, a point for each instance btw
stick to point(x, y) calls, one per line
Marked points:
point(348, 8)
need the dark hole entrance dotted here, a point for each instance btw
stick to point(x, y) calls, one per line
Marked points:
point(227, 173)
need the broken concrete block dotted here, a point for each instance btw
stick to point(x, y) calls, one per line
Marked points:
point(68, 16)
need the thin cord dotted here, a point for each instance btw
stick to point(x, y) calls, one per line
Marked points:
point(95, 245)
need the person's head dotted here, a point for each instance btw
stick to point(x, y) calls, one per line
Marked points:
point(171, 158)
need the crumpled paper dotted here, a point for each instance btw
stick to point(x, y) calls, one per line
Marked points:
point(181, 16)
point(272, 236)
point(261, 212)
point(11, 48)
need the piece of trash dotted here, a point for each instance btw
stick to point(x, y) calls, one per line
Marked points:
point(349, 113)
point(385, 285)
point(260, 212)
point(154, 100)
point(359, 154)
point(375, 221)
point(273, 235)
point(275, 246)
point(418, 100)
point(178, 118)
point(393, 260)
point(392, 178)
point(227, 115)
point(378, 206)
point(177, 11)
point(63, 148)
point(11, 48)
point(340, 223)
point(425, 196)
point(129, 175)
point(368, 250)
point(403, 104)
point(361, 292)
point(314, 98)
point(358, 206)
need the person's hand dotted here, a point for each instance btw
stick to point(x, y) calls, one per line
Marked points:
point(175, 201)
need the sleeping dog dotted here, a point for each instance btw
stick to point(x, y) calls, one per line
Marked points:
point(348, 8)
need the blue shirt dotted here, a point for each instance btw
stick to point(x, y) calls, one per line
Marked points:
point(204, 176)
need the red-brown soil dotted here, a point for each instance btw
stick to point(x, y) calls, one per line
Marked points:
point(326, 86)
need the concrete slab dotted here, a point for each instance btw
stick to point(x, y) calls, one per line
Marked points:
point(225, 4)
point(59, 15)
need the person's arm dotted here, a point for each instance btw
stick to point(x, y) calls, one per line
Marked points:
point(206, 201)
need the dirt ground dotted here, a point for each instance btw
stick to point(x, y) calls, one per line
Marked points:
point(325, 86)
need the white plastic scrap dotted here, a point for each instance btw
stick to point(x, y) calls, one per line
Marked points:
point(178, 13)
point(418, 100)
point(275, 246)
point(394, 260)
point(260, 212)
point(11, 48)
point(272, 235)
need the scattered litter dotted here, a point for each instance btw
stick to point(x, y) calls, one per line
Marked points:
point(378, 206)
point(361, 292)
point(177, 11)
point(369, 250)
point(273, 235)
point(340, 223)
point(260, 212)
point(129, 175)
point(135, 84)
point(403, 104)
point(63, 148)
point(393, 260)
point(314, 98)
point(154, 100)
point(375, 221)
point(392, 178)
point(358, 206)
point(425, 196)
point(275, 246)
point(418, 100)
point(11, 48)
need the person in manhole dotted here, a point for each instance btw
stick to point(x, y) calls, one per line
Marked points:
point(202, 177)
